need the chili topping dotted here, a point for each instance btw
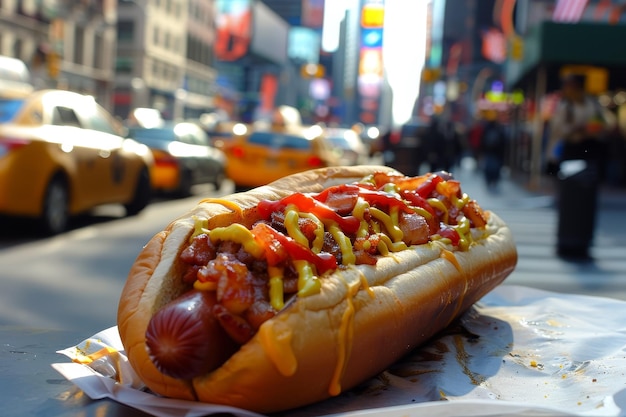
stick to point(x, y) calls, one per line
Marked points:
point(305, 236)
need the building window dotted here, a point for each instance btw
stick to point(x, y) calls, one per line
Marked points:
point(17, 48)
point(125, 30)
point(167, 41)
point(100, 47)
point(79, 45)
point(124, 65)
point(156, 35)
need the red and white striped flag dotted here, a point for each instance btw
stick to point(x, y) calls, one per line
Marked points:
point(569, 11)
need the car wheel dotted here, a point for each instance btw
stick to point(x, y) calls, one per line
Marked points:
point(220, 176)
point(143, 194)
point(55, 215)
point(185, 184)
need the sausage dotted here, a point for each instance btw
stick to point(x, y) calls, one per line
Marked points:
point(185, 340)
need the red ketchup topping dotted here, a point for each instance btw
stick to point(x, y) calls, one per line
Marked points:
point(323, 262)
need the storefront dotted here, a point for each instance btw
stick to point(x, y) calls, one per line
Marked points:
point(549, 51)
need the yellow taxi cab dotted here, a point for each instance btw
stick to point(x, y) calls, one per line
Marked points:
point(62, 154)
point(260, 156)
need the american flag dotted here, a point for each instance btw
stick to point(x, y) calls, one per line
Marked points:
point(569, 11)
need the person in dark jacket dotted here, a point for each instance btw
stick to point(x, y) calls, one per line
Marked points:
point(492, 151)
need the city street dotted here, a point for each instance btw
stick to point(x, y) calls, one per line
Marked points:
point(72, 281)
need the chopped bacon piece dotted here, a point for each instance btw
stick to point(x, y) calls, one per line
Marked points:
point(237, 327)
point(200, 251)
point(474, 214)
point(307, 227)
point(191, 274)
point(259, 313)
point(414, 228)
point(235, 290)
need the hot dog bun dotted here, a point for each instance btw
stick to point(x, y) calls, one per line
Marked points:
point(364, 318)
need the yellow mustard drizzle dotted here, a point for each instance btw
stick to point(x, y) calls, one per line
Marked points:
point(348, 257)
point(199, 227)
point(83, 358)
point(423, 212)
point(390, 188)
point(434, 203)
point(308, 283)
point(277, 298)
point(226, 203)
point(239, 234)
point(275, 336)
point(389, 245)
point(465, 237)
point(368, 180)
point(291, 224)
point(318, 242)
point(344, 342)
point(460, 202)
point(449, 256)
point(366, 285)
point(389, 222)
point(359, 212)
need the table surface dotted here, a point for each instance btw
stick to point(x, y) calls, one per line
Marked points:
point(29, 386)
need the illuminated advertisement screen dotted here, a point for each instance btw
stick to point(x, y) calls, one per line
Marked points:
point(304, 44)
point(313, 13)
point(233, 27)
point(373, 14)
point(371, 62)
point(372, 38)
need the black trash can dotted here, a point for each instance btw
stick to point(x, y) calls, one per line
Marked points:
point(577, 205)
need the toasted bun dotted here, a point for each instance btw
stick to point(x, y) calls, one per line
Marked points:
point(364, 319)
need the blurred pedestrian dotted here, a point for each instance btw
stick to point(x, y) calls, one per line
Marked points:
point(453, 146)
point(435, 146)
point(492, 149)
point(474, 136)
point(576, 146)
point(578, 126)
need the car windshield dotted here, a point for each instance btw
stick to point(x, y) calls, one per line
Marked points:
point(279, 140)
point(152, 136)
point(339, 142)
point(9, 108)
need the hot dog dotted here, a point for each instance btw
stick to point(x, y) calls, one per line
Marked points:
point(296, 291)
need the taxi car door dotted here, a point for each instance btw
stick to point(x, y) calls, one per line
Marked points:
point(111, 170)
point(82, 157)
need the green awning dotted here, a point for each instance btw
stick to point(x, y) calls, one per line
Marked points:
point(556, 44)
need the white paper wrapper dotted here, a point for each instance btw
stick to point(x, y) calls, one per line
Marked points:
point(519, 351)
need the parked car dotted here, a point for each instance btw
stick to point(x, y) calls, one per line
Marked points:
point(183, 155)
point(262, 156)
point(349, 146)
point(15, 78)
point(221, 133)
point(62, 154)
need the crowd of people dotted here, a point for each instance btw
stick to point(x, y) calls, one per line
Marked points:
point(441, 144)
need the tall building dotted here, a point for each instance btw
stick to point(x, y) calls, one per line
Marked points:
point(165, 57)
point(67, 44)
point(464, 57)
point(151, 59)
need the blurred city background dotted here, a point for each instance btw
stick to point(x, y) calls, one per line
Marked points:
point(351, 63)
point(115, 108)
